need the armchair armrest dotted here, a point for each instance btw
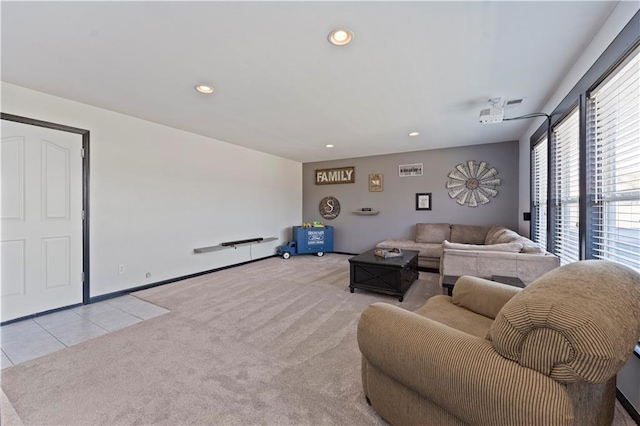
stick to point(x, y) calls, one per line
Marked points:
point(482, 296)
point(461, 373)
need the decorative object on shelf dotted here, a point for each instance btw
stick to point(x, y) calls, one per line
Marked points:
point(366, 209)
point(423, 201)
point(405, 170)
point(387, 253)
point(471, 183)
point(375, 182)
point(329, 208)
point(336, 175)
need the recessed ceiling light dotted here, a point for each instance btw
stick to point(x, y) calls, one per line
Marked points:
point(340, 37)
point(204, 89)
point(414, 133)
point(328, 146)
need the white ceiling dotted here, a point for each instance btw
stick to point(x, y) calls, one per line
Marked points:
point(281, 88)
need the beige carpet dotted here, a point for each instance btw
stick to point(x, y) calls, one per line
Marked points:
point(272, 342)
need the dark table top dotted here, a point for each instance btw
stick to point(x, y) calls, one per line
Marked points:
point(369, 258)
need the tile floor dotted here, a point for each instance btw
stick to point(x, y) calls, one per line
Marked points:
point(43, 335)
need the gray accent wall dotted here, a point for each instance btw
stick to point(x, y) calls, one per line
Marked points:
point(396, 203)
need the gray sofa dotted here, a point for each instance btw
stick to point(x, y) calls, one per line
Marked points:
point(480, 251)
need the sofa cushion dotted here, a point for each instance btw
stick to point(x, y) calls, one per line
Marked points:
point(482, 296)
point(469, 234)
point(514, 247)
point(432, 232)
point(441, 308)
point(426, 249)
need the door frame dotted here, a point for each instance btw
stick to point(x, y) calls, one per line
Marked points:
point(86, 294)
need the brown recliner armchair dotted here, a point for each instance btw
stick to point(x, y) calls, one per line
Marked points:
point(497, 355)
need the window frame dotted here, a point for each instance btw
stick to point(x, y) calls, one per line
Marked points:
point(544, 139)
point(597, 221)
point(553, 203)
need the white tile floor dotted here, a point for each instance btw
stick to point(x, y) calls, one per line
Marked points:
point(43, 335)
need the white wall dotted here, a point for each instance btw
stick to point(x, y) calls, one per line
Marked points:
point(620, 17)
point(157, 193)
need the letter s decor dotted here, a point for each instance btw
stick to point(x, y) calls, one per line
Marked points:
point(329, 208)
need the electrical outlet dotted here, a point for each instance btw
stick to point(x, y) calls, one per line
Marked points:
point(121, 269)
point(148, 275)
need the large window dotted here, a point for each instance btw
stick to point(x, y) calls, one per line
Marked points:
point(565, 188)
point(539, 176)
point(594, 162)
point(593, 167)
point(613, 181)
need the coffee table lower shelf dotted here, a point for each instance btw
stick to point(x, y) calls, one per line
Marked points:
point(449, 281)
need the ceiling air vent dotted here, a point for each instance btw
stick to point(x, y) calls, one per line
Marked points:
point(513, 103)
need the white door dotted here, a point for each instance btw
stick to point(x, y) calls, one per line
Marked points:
point(41, 235)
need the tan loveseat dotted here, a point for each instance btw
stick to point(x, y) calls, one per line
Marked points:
point(481, 251)
point(498, 355)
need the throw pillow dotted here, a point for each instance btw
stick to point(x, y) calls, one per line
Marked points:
point(507, 236)
point(494, 233)
point(530, 247)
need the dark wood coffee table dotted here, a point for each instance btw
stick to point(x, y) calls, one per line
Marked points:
point(391, 276)
point(449, 281)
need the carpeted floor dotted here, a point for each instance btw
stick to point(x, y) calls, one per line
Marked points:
point(272, 342)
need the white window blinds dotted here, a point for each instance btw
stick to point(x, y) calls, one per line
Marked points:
point(614, 177)
point(539, 192)
point(566, 188)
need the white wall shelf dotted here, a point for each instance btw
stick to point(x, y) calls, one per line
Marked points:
point(222, 247)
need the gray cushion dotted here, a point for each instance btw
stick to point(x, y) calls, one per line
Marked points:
point(469, 234)
point(514, 247)
point(432, 232)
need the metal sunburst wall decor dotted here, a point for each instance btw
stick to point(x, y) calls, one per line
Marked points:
point(473, 183)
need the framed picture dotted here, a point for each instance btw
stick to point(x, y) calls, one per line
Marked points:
point(423, 201)
point(375, 182)
point(405, 170)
